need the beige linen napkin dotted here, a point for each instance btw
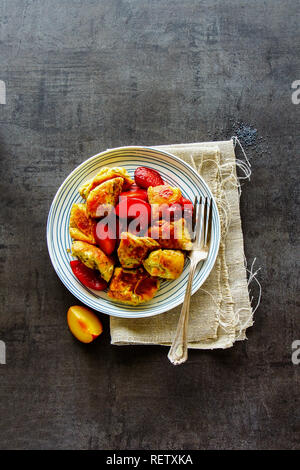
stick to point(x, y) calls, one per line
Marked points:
point(220, 310)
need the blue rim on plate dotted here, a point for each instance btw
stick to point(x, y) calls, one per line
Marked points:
point(175, 172)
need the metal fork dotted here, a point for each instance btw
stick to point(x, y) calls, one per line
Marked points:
point(201, 226)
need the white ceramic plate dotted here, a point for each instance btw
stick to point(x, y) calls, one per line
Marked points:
point(175, 172)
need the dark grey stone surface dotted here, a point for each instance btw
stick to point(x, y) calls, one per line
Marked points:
point(85, 75)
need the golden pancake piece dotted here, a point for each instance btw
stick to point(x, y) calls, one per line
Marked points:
point(161, 197)
point(172, 235)
point(133, 250)
point(81, 226)
point(94, 258)
point(163, 194)
point(167, 264)
point(132, 286)
point(105, 174)
point(104, 197)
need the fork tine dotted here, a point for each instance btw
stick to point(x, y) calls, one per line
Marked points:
point(204, 229)
point(199, 224)
point(208, 224)
point(196, 219)
point(194, 216)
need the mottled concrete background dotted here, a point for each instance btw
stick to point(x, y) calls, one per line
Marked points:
point(84, 75)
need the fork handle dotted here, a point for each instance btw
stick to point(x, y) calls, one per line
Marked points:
point(179, 352)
